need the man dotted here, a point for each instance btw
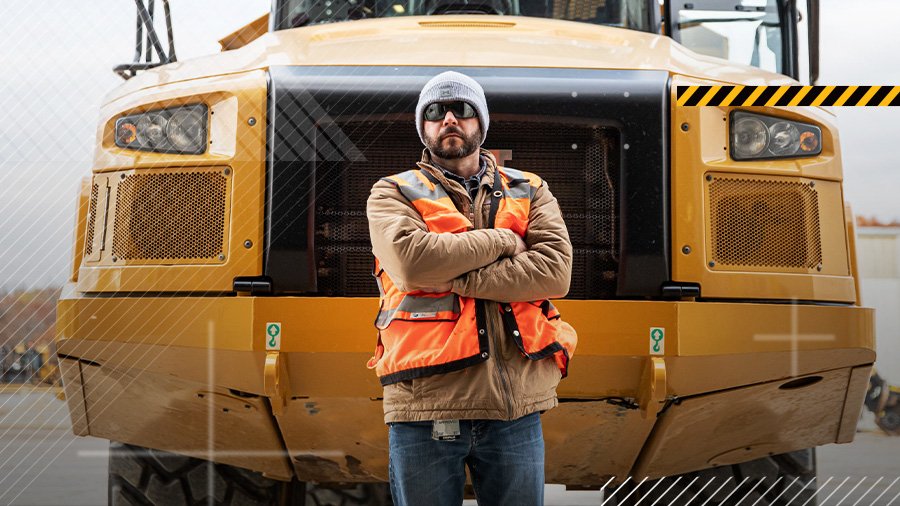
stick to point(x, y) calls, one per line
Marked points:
point(470, 350)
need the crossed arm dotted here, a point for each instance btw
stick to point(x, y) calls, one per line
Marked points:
point(478, 263)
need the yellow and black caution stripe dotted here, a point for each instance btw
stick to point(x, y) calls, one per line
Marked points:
point(785, 96)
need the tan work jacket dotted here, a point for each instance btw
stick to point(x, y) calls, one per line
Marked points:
point(479, 264)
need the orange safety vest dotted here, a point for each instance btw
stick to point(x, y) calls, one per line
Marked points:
point(421, 333)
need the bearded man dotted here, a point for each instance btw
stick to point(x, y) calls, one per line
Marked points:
point(470, 349)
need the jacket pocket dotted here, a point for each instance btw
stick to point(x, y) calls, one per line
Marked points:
point(533, 326)
point(539, 332)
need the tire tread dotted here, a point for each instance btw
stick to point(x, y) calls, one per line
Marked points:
point(144, 477)
point(769, 481)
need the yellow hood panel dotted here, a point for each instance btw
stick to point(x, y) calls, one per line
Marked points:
point(459, 41)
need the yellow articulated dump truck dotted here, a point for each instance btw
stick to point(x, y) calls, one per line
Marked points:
point(220, 310)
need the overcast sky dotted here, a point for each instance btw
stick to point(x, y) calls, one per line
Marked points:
point(56, 58)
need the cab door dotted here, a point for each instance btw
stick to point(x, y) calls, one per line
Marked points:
point(775, 35)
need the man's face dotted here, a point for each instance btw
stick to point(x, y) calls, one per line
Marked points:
point(452, 137)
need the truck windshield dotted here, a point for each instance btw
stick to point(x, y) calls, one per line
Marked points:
point(633, 14)
point(750, 34)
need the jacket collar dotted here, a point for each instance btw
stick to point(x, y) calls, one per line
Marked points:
point(487, 178)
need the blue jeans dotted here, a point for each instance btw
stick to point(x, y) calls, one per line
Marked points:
point(505, 460)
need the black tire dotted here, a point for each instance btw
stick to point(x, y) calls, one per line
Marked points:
point(889, 421)
point(780, 480)
point(369, 494)
point(144, 477)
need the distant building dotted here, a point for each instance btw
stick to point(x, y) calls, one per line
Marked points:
point(878, 258)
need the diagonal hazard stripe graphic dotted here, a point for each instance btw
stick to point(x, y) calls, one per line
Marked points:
point(788, 96)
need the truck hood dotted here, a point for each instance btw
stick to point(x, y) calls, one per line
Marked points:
point(459, 41)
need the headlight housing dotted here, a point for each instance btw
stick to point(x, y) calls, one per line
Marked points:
point(174, 130)
point(755, 136)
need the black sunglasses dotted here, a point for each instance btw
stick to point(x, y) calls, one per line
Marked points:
point(437, 111)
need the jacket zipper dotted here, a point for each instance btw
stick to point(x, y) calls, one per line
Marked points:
point(504, 376)
point(495, 341)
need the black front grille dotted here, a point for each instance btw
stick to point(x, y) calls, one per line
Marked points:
point(578, 161)
point(333, 131)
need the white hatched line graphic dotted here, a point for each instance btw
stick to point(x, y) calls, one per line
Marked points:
point(619, 489)
point(739, 485)
point(18, 180)
point(785, 489)
point(614, 490)
point(832, 492)
point(805, 486)
point(767, 490)
point(893, 499)
point(701, 489)
point(851, 491)
point(755, 484)
point(683, 490)
point(875, 501)
point(815, 491)
point(677, 479)
point(186, 312)
point(724, 482)
point(603, 489)
point(867, 491)
point(44, 439)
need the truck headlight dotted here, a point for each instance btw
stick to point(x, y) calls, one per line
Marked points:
point(175, 130)
point(755, 136)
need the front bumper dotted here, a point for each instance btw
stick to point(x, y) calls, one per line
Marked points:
point(193, 375)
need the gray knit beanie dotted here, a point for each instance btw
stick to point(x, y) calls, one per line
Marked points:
point(450, 86)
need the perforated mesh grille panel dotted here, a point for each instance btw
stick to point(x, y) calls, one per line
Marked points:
point(91, 218)
point(170, 216)
point(764, 223)
point(579, 163)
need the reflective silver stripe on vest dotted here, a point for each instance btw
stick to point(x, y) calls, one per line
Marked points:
point(522, 190)
point(416, 189)
point(420, 307)
point(384, 318)
point(380, 286)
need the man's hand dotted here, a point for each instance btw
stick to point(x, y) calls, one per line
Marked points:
point(521, 247)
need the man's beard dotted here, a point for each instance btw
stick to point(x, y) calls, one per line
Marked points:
point(469, 145)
